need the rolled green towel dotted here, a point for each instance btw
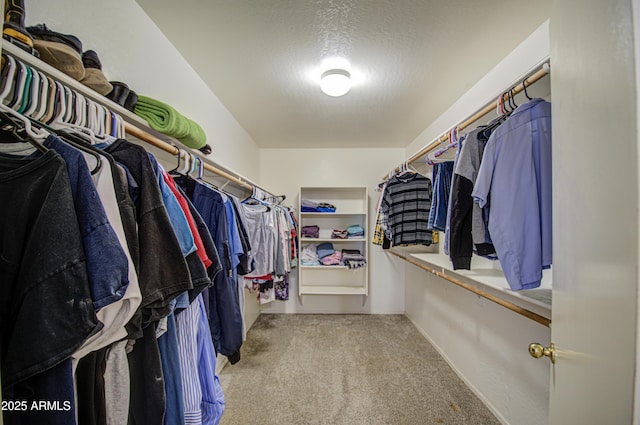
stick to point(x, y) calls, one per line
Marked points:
point(167, 120)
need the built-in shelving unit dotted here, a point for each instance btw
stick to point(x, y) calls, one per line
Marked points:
point(351, 208)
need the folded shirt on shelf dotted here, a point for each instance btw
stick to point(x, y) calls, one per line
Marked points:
point(353, 259)
point(332, 259)
point(355, 231)
point(310, 231)
point(309, 203)
point(339, 234)
point(309, 256)
point(311, 206)
point(325, 249)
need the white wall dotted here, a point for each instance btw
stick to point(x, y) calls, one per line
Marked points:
point(288, 169)
point(485, 343)
point(133, 50)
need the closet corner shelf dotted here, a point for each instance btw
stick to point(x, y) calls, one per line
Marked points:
point(352, 207)
point(485, 278)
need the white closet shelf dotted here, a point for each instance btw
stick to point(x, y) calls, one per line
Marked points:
point(336, 267)
point(331, 214)
point(333, 290)
point(337, 240)
point(486, 276)
point(352, 207)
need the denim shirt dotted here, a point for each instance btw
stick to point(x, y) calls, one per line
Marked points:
point(515, 174)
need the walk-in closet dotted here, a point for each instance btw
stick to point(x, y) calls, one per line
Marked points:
point(319, 212)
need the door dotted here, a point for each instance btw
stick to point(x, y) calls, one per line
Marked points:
point(595, 173)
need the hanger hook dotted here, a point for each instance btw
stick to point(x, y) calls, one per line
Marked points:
point(512, 100)
point(524, 88)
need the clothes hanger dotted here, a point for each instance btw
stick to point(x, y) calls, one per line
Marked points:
point(33, 94)
point(453, 143)
point(43, 98)
point(26, 94)
point(20, 122)
point(59, 106)
point(18, 87)
point(51, 99)
point(78, 142)
point(524, 88)
point(255, 198)
point(186, 164)
point(512, 100)
point(67, 99)
point(8, 76)
point(179, 156)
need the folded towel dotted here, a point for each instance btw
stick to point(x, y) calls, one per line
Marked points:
point(167, 120)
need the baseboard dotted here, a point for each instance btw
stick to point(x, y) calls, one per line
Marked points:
point(472, 387)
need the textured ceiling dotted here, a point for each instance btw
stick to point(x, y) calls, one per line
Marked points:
point(410, 60)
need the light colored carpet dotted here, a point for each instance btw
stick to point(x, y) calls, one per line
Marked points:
point(344, 369)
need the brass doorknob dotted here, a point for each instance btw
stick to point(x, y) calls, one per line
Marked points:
point(537, 350)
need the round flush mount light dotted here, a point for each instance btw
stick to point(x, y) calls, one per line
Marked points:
point(335, 82)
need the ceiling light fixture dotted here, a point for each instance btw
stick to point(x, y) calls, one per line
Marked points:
point(335, 82)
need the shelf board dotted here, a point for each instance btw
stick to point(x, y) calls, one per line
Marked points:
point(332, 290)
point(324, 267)
point(331, 214)
point(487, 276)
point(333, 240)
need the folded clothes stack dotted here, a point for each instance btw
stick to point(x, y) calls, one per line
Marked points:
point(325, 249)
point(310, 231)
point(309, 256)
point(328, 255)
point(332, 259)
point(312, 206)
point(355, 231)
point(308, 206)
point(339, 234)
point(353, 259)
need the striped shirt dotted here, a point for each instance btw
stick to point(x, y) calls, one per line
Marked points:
point(203, 397)
point(406, 202)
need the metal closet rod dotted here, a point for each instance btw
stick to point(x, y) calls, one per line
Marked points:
point(504, 303)
point(526, 82)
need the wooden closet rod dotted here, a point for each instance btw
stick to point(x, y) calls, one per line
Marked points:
point(531, 79)
point(507, 304)
point(161, 144)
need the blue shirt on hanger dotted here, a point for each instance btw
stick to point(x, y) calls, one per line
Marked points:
point(515, 175)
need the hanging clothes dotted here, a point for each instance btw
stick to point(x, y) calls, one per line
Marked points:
point(515, 174)
point(406, 203)
point(45, 284)
point(225, 317)
point(468, 226)
point(442, 176)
